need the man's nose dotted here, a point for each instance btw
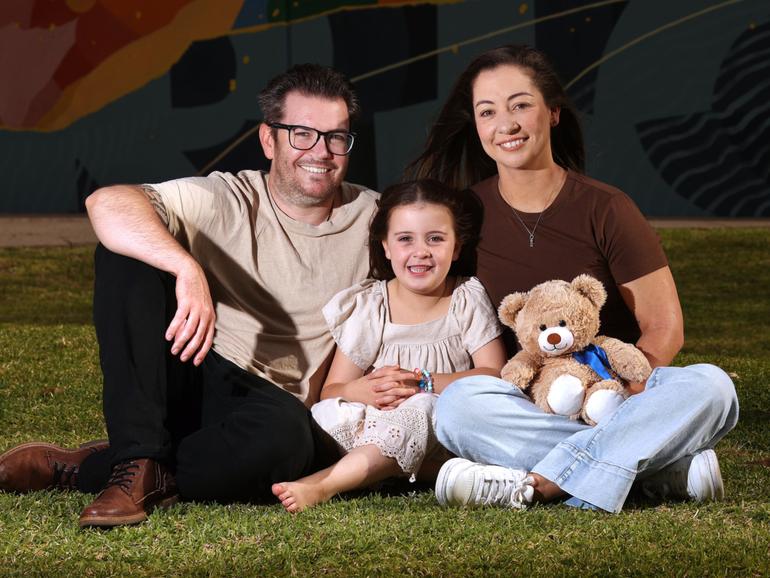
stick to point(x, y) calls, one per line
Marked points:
point(322, 149)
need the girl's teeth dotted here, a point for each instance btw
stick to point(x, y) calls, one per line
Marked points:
point(512, 144)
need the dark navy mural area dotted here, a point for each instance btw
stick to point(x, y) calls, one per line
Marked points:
point(719, 159)
point(674, 97)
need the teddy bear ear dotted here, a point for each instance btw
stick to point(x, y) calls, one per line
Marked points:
point(510, 307)
point(591, 288)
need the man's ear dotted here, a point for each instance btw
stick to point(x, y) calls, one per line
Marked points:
point(267, 140)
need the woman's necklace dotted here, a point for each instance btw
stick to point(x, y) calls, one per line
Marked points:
point(531, 232)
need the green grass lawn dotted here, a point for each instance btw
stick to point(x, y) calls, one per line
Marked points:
point(50, 390)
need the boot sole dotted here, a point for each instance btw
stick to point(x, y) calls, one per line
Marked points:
point(113, 521)
point(50, 446)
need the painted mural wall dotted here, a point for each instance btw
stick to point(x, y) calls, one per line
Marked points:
point(674, 95)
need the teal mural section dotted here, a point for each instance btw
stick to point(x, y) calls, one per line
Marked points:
point(674, 96)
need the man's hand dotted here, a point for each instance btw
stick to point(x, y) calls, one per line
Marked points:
point(192, 328)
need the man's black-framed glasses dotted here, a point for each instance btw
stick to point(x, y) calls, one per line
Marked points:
point(304, 138)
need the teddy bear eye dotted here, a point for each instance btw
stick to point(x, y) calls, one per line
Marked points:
point(543, 327)
point(562, 323)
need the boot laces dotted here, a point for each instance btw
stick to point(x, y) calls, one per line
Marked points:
point(64, 475)
point(123, 475)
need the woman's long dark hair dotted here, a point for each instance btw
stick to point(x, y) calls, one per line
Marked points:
point(453, 152)
point(431, 192)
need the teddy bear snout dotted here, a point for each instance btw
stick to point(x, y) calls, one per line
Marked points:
point(554, 340)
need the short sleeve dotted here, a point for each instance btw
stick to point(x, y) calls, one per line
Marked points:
point(630, 244)
point(356, 319)
point(197, 203)
point(475, 315)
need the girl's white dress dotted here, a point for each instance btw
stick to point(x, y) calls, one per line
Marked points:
point(359, 320)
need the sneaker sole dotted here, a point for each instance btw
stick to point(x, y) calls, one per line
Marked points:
point(113, 521)
point(708, 468)
point(446, 477)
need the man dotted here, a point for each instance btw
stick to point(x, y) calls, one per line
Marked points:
point(207, 308)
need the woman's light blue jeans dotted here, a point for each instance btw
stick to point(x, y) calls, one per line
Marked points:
point(681, 411)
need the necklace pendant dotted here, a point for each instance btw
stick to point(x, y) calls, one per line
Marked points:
point(531, 240)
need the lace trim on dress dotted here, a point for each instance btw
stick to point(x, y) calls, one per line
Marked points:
point(403, 434)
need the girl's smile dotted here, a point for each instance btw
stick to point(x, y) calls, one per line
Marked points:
point(421, 245)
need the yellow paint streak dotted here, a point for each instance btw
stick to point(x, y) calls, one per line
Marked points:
point(227, 150)
point(647, 35)
point(80, 6)
point(486, 36)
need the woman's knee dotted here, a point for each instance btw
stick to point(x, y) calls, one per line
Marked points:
point(703, 386)
point(716, 384)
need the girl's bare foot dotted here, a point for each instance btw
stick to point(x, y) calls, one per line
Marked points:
point(296, 496)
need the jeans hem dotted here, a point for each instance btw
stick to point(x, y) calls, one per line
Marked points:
point(601, 484)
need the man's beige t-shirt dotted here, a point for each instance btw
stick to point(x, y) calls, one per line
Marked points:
point(269, 275)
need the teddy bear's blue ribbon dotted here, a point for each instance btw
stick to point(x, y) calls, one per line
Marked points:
point(596, 358)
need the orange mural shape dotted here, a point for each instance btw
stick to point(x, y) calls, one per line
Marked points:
point(63, 59)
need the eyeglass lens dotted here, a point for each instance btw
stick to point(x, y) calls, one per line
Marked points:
point(305, 138)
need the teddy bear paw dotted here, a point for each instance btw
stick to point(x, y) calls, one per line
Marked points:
point(566, 395)
point(601, 404)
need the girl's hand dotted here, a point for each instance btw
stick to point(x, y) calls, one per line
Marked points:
point(391, 385)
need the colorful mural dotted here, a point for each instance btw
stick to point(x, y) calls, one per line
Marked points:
point(673, 96)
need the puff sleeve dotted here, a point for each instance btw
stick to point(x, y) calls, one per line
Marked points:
point(475, 315)
point(356, 319)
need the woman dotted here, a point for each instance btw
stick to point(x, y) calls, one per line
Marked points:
point(508, 131)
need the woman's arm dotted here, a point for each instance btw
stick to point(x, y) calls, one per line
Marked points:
point(379, 388)
point(654, 301)
point(487, 360)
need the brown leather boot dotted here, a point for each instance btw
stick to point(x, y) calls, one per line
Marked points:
point(135, 489)
point(41, 466)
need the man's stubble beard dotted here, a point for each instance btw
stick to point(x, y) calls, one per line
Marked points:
point(292, 193)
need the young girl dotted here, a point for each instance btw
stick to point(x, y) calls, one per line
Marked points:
point(414, 313)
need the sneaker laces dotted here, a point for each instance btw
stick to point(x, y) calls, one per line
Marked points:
point(508, 490)
point(670, 482)
point(123, 475)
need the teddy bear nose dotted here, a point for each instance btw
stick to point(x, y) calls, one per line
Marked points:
point(554, 338)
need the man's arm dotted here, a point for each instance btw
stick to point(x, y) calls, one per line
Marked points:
point(125, 222)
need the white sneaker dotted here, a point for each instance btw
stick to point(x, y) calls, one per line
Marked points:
point(695, 477)
point(461, 482)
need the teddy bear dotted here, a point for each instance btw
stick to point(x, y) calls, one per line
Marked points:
point(564, 366)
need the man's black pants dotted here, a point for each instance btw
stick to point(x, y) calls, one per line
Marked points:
point(227, 434)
